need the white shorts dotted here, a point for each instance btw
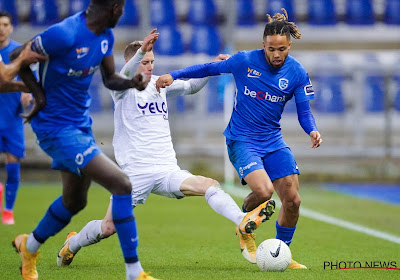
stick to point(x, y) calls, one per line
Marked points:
point(164, 180)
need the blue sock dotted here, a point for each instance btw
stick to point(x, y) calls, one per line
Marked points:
point(55, 219)
point(12, 184)
point(284, 233)
point(125, 224)
point(243, 209)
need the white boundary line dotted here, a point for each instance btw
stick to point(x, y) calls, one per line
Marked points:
point(326, 219)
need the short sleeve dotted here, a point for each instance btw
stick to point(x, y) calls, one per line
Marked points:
point(304, 90)
point(52, 41)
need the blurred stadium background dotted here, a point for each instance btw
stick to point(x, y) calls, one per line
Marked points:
point(349, 47)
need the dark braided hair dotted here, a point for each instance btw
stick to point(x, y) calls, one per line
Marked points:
point(279, 25)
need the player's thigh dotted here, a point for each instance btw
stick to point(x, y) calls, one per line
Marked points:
point(107, 173)
point(75, 189)
point(246, 158)
point(142, 185)
point(260, 183)
point(197, 185)
point(169, 182)
point(70, 148)
point(12, 143)
point(280, 163)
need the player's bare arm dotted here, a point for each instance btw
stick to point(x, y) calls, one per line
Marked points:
point(29, 80)
point(316, 139)
point(12, 86)
point(20, 57)
point(149, 41)
point(115, 81)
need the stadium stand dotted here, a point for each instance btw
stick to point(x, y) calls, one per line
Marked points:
point(75, 6)
point(202, 12)
point(10, 6)
point(275, 6)
point(360, 12)
point(392, 12)
point(322, 12)
point(170, 41)
point(130, 17)
point(206, 39)
point(245, 13)
point(44, 12)
point(162, 13)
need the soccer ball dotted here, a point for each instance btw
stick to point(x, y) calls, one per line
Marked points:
point(273, 255)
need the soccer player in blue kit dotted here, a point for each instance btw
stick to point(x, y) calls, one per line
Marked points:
point(265, 80)
point(76, 48)
point(11, 127)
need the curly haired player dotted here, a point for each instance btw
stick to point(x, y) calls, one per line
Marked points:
point(265, 79)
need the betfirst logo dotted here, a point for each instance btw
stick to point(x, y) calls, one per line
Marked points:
point(253, 73)
point(264, 95)
point(84, 72)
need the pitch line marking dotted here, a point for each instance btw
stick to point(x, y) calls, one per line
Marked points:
point(327, 219)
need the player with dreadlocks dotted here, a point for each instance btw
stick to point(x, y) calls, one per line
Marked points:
point(265, 79)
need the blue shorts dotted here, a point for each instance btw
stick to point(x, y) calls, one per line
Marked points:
point(246, 157)
point(71, 148)
point(12, 142)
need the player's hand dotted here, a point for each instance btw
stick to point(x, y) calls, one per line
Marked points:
point(140, 81)
point(149, 41)
point(28, 56)
point(221, 57)
point(164, 81)
point(36, 108)
point(316, 140)
point(26, 99)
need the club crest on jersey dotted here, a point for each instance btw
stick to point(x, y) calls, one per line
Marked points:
point(253, 73)
point(104, 46)
point(283, 83)
point(81, 52)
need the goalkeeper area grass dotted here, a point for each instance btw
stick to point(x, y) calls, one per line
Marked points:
point(185, 239)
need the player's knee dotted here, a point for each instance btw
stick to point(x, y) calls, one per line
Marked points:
point(292, 203)
point(264, 194)
point(107, 228)
point(75, 205)
point(123, 186)
point(208, 182)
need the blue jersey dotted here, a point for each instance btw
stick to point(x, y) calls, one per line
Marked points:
point(75, 53)
point(11, 106)
point(261, 94)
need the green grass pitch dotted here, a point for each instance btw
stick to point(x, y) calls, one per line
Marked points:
point(185, 239)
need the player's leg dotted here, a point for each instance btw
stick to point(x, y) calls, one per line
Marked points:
point(95, 230)
point(282, 167)
point(247, 161)
point(92, 233)
point(217, 198)
point(56, 218)
point(11, 187)
point(105, 172)
point(14, 147)
point(288, 190)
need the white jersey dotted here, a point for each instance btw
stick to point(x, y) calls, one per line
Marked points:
point(142, 137)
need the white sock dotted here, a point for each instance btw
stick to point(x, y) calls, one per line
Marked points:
point(133, 270)
point(89, 234)
point(223, 204)
point(32, 244)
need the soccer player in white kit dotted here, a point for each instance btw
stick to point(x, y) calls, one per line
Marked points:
point(144, 150)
